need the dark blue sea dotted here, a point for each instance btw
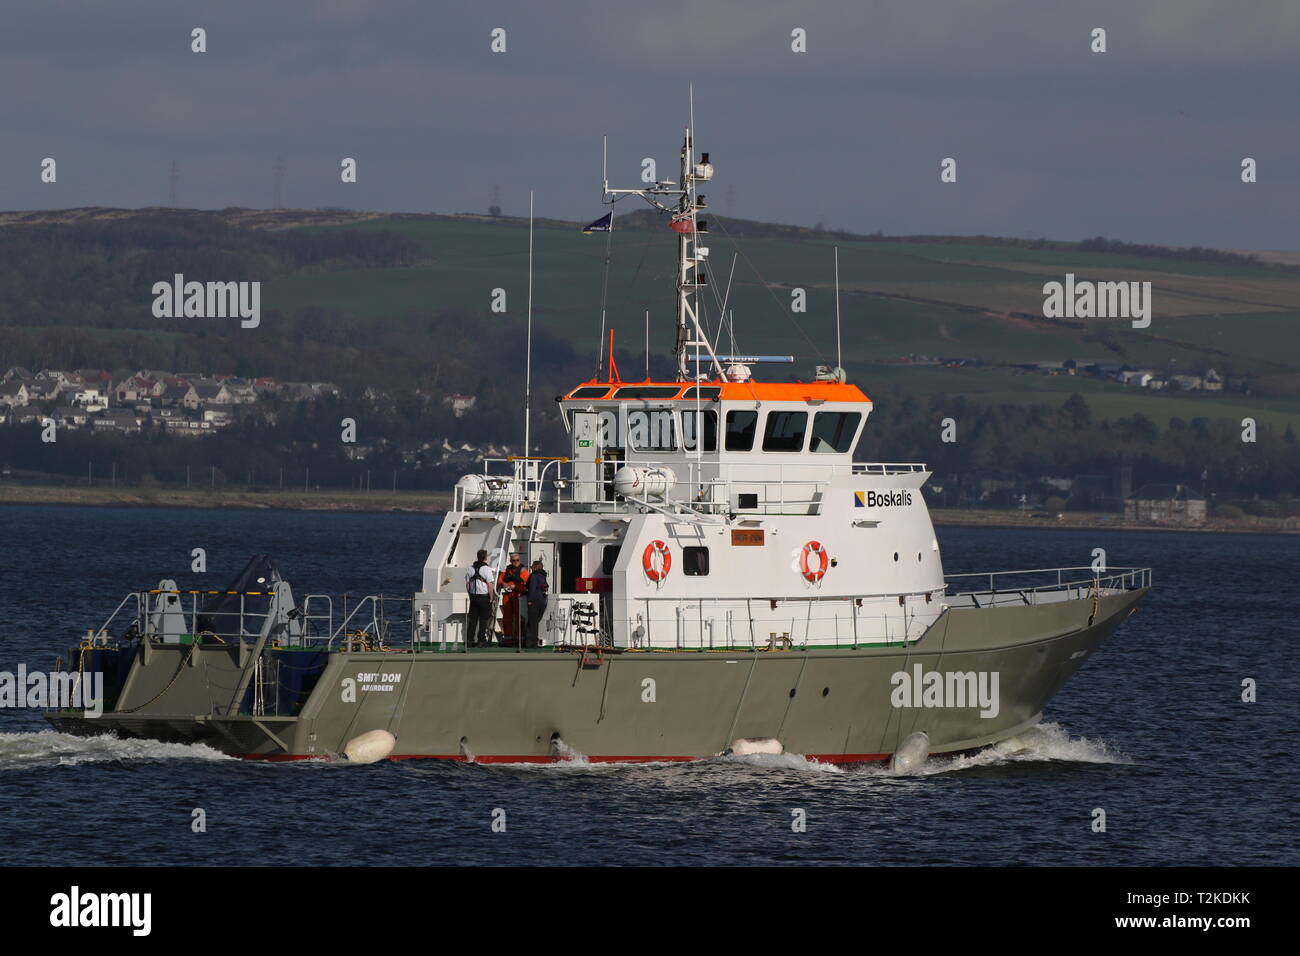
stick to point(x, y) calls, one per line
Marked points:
point(1152, 730)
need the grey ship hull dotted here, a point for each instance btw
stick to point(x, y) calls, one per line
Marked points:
point(503, 706)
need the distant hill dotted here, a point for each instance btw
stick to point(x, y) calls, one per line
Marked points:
point(397, 311)
point(82, 276)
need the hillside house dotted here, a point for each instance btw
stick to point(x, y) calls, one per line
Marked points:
point(93, 398)
point(116, 419)
point(1140, 378)
point(241, 393)
point(1166, 504)
point(13, 394)
point(181, 395)
point(218, 415)
point(461, 405)
point(212, 392)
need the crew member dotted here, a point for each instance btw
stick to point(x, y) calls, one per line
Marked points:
point(513, 585)
point(479, 584)
point(538, 588)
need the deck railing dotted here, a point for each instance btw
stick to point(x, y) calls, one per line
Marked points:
point(377, 622)
point(1032, 584)
point(371, 618)
point(701, 485)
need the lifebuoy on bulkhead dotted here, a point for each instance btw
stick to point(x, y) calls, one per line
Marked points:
point(657, 560)
point(813, 572)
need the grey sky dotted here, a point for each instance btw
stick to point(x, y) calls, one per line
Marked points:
point(1142, 143)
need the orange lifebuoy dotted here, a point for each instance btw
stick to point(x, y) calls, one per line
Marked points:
point(823, 562)
point(660, 550)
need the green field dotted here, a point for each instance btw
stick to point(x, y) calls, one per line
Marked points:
point(958, 300)
point(1107, 400)
point(1266, 336)
point(1062, 260)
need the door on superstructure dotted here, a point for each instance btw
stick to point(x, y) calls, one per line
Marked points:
point(587, 483)
point(544, 551)
point(569, 567)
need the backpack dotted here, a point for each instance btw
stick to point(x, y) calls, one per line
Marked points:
point(476, 575)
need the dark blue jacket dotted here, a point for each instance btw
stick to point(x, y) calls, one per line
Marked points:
point(537, 587)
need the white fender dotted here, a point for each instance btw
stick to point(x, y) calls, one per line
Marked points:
point(370, 747)
point(911, 753)
point(745, 746)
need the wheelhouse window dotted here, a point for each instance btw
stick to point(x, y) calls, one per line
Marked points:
point(653, 429)
point(833, 432)
point(691, 421)
point(705, 393)
point(741, 426)
point(591, 391)
point(785, 431)
point(648, 391)
point(695, 561)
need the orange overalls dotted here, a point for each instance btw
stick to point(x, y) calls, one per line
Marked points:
point(512, 583)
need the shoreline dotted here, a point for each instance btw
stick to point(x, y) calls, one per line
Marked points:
point(1099, 521)
point(433, 502)
point(415, 502)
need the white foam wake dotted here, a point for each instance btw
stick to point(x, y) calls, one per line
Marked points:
point(786, 761)
point(567, 755)
point(1042, 743)
point(49, 748)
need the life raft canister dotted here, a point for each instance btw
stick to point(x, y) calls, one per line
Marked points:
point(656, 571)
point(810, 572)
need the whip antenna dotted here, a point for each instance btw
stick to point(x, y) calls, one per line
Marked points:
point(528, 366)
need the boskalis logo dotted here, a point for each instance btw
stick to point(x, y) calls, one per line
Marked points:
point(882, 499)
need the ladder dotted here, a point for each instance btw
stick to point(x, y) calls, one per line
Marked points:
point(507, 542)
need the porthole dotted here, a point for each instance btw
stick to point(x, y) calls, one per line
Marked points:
point(825, 691)
point(895, 555)
point(918, 556)
point(792, 693)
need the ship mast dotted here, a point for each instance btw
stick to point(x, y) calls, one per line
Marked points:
point(680, 201)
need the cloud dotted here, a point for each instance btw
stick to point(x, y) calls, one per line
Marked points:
point(1141, 142)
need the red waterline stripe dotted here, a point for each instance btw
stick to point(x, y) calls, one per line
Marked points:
point(533, 758)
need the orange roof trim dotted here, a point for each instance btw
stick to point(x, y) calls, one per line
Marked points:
point(742, 391)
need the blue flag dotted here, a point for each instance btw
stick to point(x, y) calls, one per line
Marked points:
point(604, 224)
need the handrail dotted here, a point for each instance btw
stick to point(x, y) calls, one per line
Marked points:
point(370, 599)
point(308, 617)
point(707, 488)
point(887, 468)
point(1124, 577)
point(1080, 567)
point(138, 613)
point(773, 461)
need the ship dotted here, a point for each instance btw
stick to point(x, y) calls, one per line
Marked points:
point(725, 577)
